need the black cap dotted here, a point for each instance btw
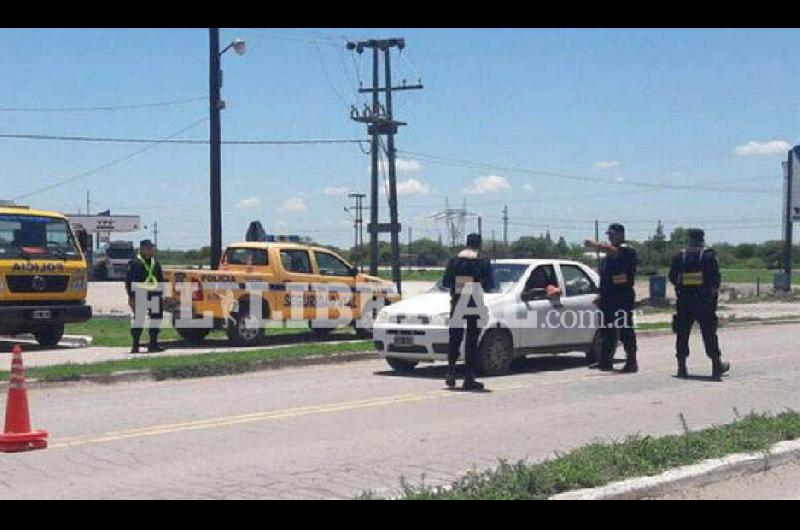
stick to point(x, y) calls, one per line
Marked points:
point(145, 243)
point(474, 240)
point(616, 227)
point(696, 234)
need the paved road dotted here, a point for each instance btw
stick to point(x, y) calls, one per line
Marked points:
point(780, 483)
point(332, 431)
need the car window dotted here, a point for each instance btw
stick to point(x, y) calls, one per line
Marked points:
point(330, 265)
point(252, 257)
point(506, 276)
point(576, 281)
point(541, 277)
point(296, 261)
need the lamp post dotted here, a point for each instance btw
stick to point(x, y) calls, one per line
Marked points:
point(215, 156)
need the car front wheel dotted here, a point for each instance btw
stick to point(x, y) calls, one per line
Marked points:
point(401, 365)
point(242, 330)
point(495, 353)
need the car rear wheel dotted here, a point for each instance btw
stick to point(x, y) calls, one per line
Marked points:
point(50, 335)
point(320, 331)
point(495, 353)
point(242, 330)
point(401, 365)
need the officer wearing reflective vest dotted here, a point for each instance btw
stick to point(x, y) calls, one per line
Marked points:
point(143, 284)
point(617, 297)
point(695, 274)
point(467, 276)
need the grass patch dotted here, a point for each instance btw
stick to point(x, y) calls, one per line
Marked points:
point(414, 276)
point(194, 365)
point(116, 332)
point(597, 464)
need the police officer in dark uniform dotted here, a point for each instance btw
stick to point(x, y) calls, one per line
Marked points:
point(617, 297)
point(695, 274)
point(467, 275)
point(144, 283)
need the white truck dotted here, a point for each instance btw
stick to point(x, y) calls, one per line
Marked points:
point(525, 317)
point(111, 263)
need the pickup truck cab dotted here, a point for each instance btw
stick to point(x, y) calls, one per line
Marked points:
point(292, 282)
point(540, 306)
point(43, 274)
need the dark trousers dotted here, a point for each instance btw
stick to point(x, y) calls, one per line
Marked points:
point(470, 347)
point(136, 332)
point(695, 307)
point(618, 325)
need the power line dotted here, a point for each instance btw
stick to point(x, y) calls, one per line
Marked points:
point(105, 108)
point(485, 166)
point(103, 139)
point(114, 162)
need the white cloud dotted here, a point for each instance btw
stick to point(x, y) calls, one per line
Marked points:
point(295, 204)
point(607, 164)
point(250, 202)
point(529, 187)
point(402, 165)
point(488, 184)
point(678, 173)
point(413, 187)
point(771, 147)
point(335, 192)
point(620, 179)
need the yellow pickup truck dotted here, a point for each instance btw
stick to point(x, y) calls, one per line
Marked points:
point(43, 274)
point(291, 282)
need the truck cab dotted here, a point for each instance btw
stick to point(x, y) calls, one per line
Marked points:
point(43, 274)
point(112, 261)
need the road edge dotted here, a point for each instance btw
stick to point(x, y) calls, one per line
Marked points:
point(706, 472)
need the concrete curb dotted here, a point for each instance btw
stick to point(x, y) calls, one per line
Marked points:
point(67, 341)
point(706, 472)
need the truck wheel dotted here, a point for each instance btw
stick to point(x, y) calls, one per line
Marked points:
point(495, 352)
point(49, 336)
point(242, 332)
point(401, 365)
point(193, 334)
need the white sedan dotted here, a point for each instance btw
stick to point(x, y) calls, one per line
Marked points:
point(525, 317)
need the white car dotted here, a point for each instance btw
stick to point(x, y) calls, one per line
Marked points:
point(522, 318)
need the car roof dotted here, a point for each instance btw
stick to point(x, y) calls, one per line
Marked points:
point(535, 261)
point(24, 210)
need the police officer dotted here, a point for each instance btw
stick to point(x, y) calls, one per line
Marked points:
point(617, 297)
point(467, 275)
point(695, 274)
point(144, 283)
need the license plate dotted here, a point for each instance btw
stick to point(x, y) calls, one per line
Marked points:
point(404, 341)
point(42, 315)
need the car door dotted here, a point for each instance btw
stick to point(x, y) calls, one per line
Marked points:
point(537, 319)
point(579, 318)
point(299, 273)
point(334, 273)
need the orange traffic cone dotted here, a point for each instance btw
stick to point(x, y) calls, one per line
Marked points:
point(18, 435)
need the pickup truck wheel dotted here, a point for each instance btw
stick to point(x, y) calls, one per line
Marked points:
point(50, 335)
point(495, 353)
point(242, 332)
point(193, 334)
point(401, 365)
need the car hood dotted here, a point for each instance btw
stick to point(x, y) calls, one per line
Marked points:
point(430, 304)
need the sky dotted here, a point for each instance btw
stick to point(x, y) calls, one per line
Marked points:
point(564, 127)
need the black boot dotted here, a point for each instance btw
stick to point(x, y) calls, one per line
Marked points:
point(631, 366)
point(471, 384)
point(135, 348)
point(451, 376)
point(683, 373)
point(719, 367)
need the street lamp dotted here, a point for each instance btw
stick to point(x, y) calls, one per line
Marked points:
point(215, 137)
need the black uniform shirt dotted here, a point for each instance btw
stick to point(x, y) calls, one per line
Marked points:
point(137, 273)
point(618, 273)
point(468, 263)
point(695, 270)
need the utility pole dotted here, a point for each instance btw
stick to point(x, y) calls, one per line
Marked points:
point(597, 238)
point(788, 214)
point(380, 121)
point(88, 203)
point(215, 149)
point(155, 234)
point(505, 226)
point(358, 228)
point(409, 249)
point(480, 226)
point(494, 246)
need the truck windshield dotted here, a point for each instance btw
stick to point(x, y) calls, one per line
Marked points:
point(36, 237)
point(506, 276)
point(125, 253)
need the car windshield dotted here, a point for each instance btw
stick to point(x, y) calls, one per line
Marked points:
point(506, 276)
point(36, 237)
